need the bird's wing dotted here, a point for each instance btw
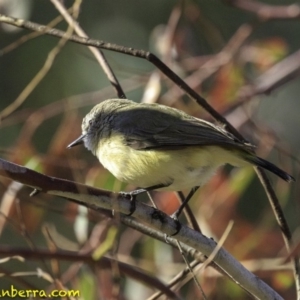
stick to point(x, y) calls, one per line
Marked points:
point(154, 129)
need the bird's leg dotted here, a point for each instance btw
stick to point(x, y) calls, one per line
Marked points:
point(177, 213)
point(132, 195)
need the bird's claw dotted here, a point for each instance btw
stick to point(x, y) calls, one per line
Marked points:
point(177, 223)
point(131, 196)
point(177, 226)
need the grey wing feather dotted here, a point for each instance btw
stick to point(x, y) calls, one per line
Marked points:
point(146, 129)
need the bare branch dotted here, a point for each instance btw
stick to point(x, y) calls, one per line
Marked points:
point(129, 51)
point(282, 72)
point(267, 12)
point(99, 55)
point(98, 199)
point(43, 71)
point(104, 262)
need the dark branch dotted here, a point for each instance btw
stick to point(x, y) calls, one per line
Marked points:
point(104, 262)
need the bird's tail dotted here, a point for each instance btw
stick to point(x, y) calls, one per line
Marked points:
point(269, 166)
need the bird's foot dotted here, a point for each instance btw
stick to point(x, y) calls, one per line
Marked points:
point(178, 226)
point(131, 196)
point(174, 216)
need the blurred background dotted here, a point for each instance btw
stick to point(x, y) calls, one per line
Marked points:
point(246, 66)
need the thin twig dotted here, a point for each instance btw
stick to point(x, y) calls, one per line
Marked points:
point(267, 12)
point(99, 55)
point(43, 71)
point(104, 262)
point(193, 275)
point(129, 51)
point(189, 214)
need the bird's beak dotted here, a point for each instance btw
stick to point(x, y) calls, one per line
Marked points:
point(77, 141)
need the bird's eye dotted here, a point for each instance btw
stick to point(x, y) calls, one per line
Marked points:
point(90, 122)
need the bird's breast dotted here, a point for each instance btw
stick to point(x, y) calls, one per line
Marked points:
point(181, 169)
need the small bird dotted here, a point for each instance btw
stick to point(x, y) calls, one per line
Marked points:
point(156, 147)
